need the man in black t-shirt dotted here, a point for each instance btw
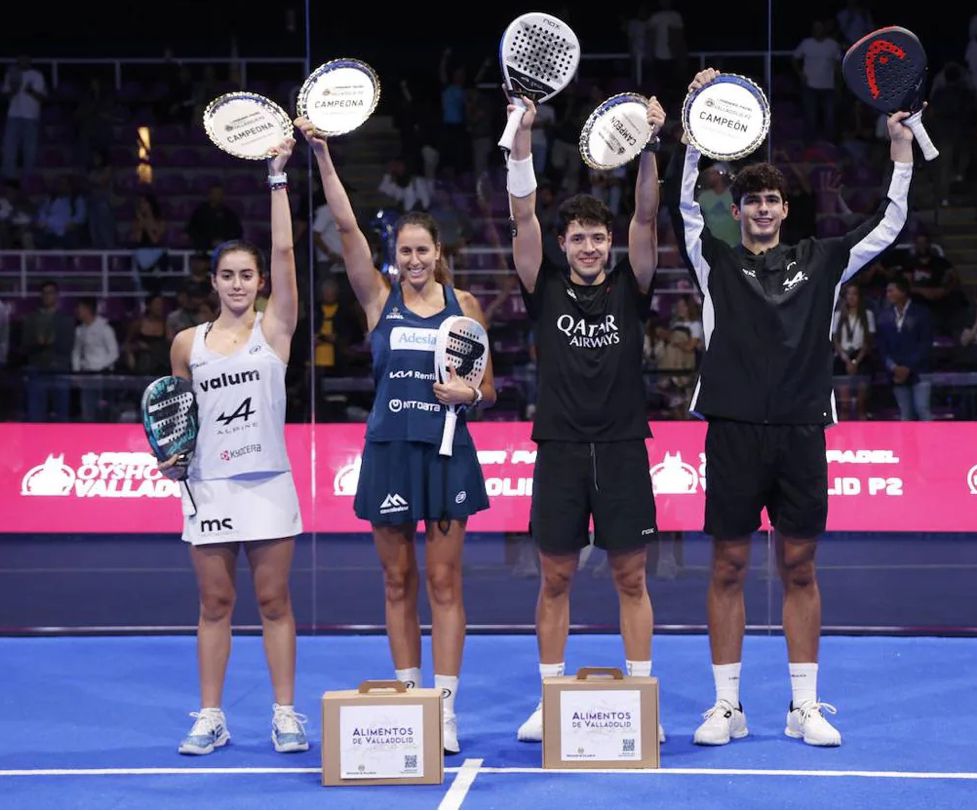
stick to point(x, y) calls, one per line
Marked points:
point(591, 421)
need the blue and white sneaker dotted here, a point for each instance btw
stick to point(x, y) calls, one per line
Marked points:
point(288, 729)
point(209, 731)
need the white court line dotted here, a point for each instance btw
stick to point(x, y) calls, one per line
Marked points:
point(504, 770)
point(459, 787)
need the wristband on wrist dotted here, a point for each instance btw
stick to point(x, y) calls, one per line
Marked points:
point(653, 145)
point(278, 181)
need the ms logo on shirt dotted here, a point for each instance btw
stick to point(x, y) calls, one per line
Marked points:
point(591, 335)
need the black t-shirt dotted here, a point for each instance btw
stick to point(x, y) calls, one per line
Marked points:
point(588, 347)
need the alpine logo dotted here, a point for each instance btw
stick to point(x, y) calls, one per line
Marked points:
point(393, 503)
point(394, 315)
point(796, 279)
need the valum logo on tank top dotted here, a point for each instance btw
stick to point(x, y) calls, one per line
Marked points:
point(590, 335)
point(226, 380)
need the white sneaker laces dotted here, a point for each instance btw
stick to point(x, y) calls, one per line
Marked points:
point(289, 721)
point(722, 706)
point(809, 708)
point(205, 723)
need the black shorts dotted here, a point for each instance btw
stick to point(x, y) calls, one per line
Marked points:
point(609, 480)
point(751, 466)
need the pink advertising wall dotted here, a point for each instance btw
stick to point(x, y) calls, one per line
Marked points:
point(900, 477)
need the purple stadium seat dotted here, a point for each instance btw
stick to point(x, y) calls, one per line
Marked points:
point(186, 156)
point(170, 182)
point(85, 263)
point(200, 182)
point(133, 91)
point(172, 134)
point(241, 184)
point(831, 226)
point(49, 262)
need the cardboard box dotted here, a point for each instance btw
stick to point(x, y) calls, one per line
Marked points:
point(382, 734)
point(600, 719)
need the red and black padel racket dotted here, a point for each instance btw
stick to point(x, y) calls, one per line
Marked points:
point(887, 70)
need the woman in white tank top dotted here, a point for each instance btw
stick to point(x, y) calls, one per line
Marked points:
point(240, 484)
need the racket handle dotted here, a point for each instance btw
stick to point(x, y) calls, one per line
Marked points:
point(915, 123)
point(448, 435)
point(509, 134)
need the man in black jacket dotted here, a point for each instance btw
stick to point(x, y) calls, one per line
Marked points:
point(765, 388)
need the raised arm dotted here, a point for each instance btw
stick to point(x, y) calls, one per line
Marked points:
point(643, 231)
point(282, 313)
point(366, 281)
point(527, 242)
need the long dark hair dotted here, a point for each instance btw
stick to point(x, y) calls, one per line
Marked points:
point(421, 219)
point(861, 313)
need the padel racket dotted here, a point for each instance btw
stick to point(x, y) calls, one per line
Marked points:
point(169, 415)
point(538, 55)
point(462, 344)
point(887, 70)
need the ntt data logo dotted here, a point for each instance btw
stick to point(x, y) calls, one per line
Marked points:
point(100, 475)
point(972, 480)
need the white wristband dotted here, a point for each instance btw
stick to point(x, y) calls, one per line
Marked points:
point(521, 180)
point(278, 180)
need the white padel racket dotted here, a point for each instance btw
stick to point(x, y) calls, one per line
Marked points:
point(538, 55)
point(462, 344)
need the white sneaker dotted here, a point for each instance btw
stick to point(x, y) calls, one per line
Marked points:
point(208, 732)
point(807, 722)
point(661, 734)
point(532, 729)
point(288, 730)
point(449, 735)
point(722, 722)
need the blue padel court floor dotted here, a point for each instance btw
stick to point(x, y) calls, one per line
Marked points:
point(94, 722)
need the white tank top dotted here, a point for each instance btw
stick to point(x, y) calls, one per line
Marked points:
point(241, 405)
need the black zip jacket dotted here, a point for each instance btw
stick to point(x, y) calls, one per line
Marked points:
point(767, 317)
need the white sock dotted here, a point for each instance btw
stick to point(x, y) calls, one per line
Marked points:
point(727, 678)
point(411, 676)
point(448, 685)
point(552, 671)
point(803, 682)
point(286, 707)
point(638, 668)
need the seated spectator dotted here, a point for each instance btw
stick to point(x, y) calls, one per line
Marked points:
point(146, 349)
point(62, 218)
point(686, 314)
point(336, 328)
point(146, 236)
point(673, 357)
point(853, 332)
point(455, 225)
point(46, 340)
point(405, 190)
point(187, 312)
point(101, 217)
point(95, 350)
point(16, 218)
point(716, 204)
point(905, 341)
point(935, 284)
point(213, 222)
